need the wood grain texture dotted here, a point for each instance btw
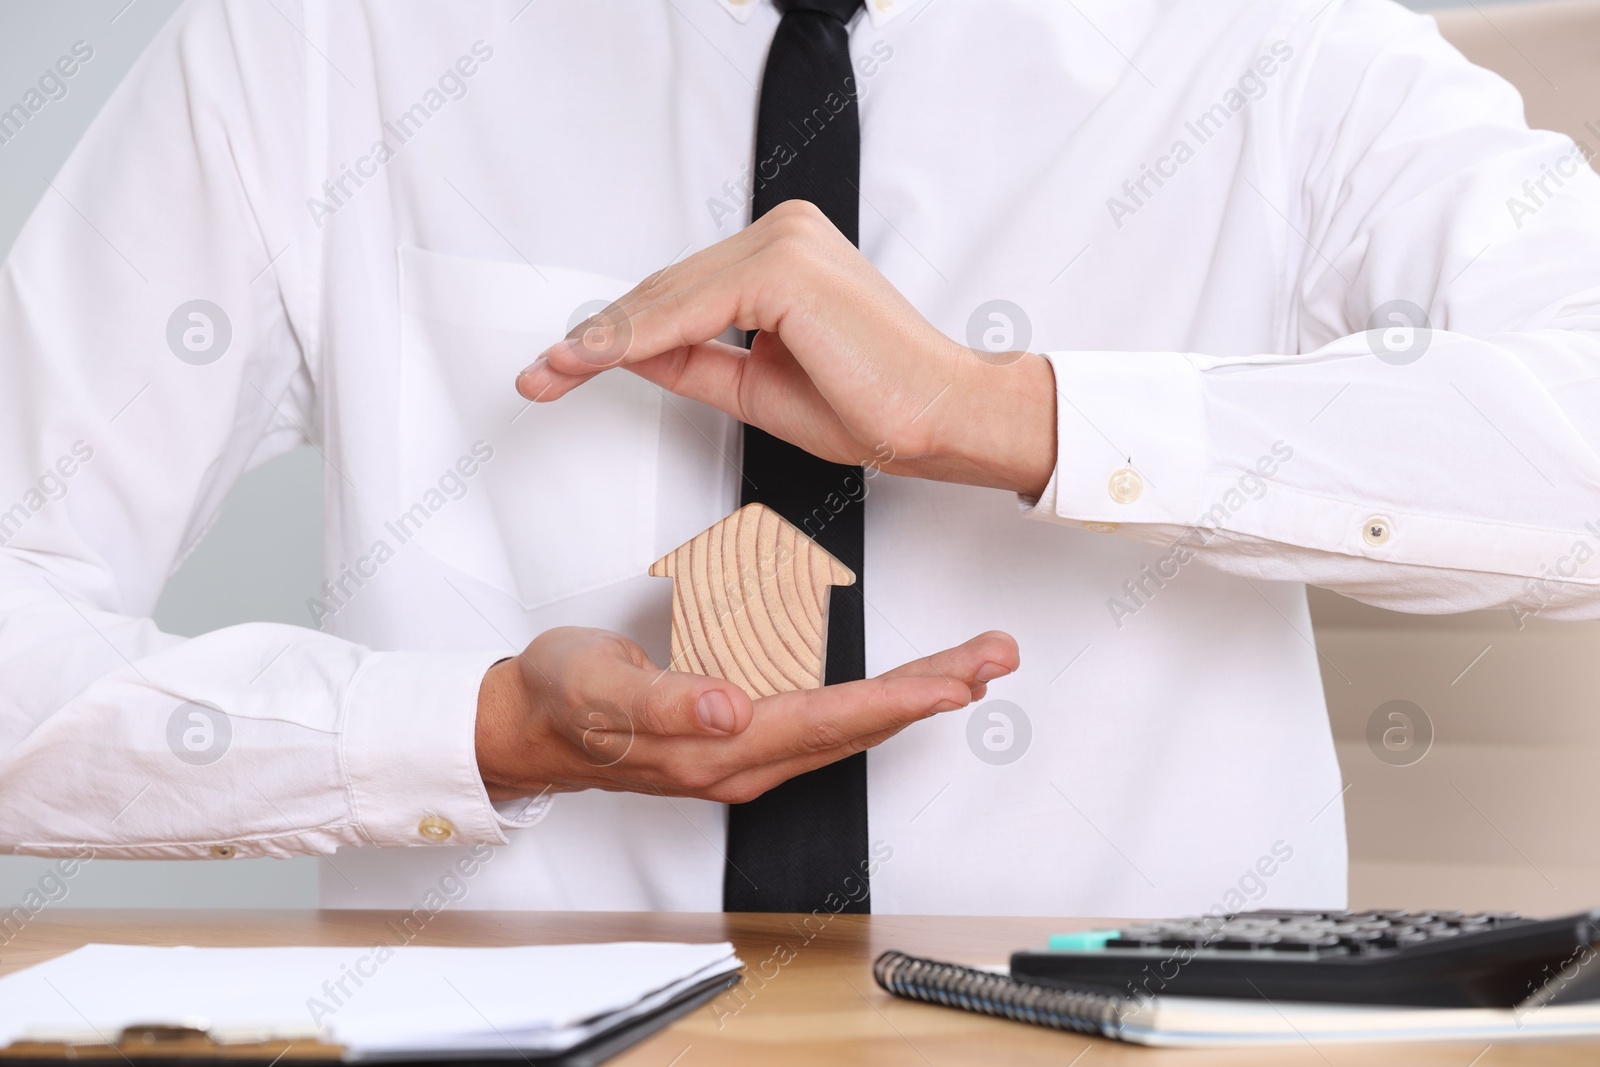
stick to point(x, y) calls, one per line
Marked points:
point(750, 602)
point(807, 998)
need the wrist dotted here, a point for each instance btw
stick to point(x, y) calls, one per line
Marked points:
point(999, 428)
point(501, 735)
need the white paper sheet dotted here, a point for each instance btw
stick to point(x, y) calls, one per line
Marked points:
point(372, 1000)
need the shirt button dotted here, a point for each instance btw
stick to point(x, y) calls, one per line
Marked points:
point(1376, 531)
point(436, 828)
point(1100, 527)
point(1125, 486)
point(883, 5)
point(223, 852)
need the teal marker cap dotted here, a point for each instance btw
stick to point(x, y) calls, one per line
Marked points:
point(1082, 941)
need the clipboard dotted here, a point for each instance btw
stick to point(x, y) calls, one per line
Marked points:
point(168, 1045)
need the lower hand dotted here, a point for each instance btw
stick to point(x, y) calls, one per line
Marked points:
point(844, 366)
point(586, 709)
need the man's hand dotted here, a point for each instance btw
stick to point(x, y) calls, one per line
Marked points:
point(586, 709)
point(844, 366)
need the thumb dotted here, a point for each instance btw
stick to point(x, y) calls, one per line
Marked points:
point(676, 703)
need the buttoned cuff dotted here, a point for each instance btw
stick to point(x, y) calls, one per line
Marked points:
point(1130, 441)
point(409, 749)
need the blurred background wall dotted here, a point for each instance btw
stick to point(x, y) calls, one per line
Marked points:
point(262, 559)
point(1476, 798)
point(1495, 815)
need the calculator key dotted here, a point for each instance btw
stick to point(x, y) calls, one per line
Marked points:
point(1307, 944)
point(1125, 942)
point(1361, 939)
point(1402, 935)
point(1236, 944)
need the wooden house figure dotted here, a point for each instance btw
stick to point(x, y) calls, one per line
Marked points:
point(750, 602)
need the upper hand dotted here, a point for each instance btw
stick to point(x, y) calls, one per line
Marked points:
point(844, 366)
point(581, 709)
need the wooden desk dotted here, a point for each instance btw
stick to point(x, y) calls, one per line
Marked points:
point(820, 1006)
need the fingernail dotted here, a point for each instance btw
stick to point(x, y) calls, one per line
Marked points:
point(990, 671)
point(947, 705)
point(715, 711)
point(535, 365)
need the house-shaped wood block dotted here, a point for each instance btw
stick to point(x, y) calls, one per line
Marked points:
point(750, 602)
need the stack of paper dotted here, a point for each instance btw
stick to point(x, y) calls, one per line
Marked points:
point(374, 1001)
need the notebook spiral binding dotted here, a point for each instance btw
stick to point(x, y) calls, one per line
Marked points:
point(1081, 1010)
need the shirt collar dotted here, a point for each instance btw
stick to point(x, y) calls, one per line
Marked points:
point(881, 12)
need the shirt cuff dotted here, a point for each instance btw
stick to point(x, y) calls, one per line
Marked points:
point(409, 749)
point(523, 812)
point(1130, 441)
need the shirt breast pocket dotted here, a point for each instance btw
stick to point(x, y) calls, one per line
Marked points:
point(561, 498)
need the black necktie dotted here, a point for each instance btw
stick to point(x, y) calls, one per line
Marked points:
point(803, 845)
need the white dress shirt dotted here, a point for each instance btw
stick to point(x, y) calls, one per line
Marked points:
point(1198, 209)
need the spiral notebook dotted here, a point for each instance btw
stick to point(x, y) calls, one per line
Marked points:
point(1204, 1021)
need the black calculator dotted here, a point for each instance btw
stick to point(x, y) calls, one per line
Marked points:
point(1424, 958)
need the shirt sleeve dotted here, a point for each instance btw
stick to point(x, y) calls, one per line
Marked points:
point(1429, 443)
point(158, 324)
